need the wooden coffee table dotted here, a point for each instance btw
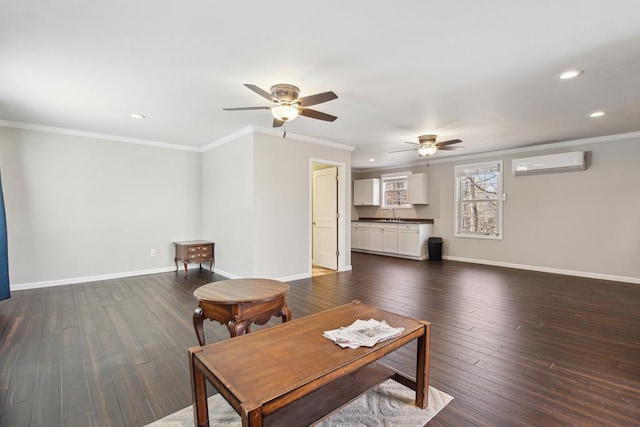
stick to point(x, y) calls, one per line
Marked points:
point(238, 303)
point(290, 374)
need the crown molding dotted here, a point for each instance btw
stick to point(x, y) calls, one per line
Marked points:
point(229, 138)
point(95, 135)
point(509, 151)
point(251, 129)
point(304, 138)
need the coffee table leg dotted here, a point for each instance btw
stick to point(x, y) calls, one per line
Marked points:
point(198, 317)
point(198, 394)
point(422, 368)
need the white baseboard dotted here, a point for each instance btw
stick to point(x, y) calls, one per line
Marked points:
point(86, 279)
point(73, 280)
point(589, 275)
point(282, 279)
point(70, 281)
point(226, 274)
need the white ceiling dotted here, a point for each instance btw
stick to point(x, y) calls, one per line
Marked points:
point(482, 71)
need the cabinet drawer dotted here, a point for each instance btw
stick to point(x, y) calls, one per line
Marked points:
point(198, 248)
point(413, 227)
point(384, 226)
point(198, 252)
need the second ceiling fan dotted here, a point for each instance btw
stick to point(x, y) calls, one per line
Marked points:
point(427, 145)
point(286, 105)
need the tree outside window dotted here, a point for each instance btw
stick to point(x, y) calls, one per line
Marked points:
point(479, 200)
point(395, 190)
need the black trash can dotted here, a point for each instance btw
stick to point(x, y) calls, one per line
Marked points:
point(435, 248)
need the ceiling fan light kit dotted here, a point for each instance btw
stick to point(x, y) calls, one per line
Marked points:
point(427, 150)
point(284, 112)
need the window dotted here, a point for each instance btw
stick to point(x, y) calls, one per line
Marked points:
point(479, 200)
point(394, 190)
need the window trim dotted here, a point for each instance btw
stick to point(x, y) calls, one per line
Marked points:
point(383, 199)
point(499, 198)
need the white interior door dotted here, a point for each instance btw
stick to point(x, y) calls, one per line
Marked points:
point(325, 218)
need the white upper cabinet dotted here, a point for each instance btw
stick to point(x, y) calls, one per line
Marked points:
point(418, 189)
point(366, 192)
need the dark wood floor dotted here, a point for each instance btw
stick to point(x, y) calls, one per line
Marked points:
point(513, 347)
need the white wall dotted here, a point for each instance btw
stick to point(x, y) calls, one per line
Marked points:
point(229, 211)
point(587, 223)
point(79, 207)
point(257, 201)
point(283, 200)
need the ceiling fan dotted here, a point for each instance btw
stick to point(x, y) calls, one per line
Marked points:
point(286, 105)
point(427, 145)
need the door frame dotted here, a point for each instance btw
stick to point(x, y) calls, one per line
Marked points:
point(342, 210)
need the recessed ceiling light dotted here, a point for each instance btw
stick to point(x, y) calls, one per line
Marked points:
point(137, 116)
point(569, 74)
point(597, 114)
point(372, 160)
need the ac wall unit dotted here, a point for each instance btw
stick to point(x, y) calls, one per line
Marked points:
point(562, 162)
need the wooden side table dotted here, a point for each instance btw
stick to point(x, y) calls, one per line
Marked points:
point(194, 251)
point(238, 303)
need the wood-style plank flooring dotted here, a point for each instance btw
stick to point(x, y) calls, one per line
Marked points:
point(513, 347)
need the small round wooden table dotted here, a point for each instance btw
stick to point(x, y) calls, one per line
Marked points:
point(238, 303)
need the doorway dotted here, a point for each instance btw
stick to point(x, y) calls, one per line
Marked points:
point(327, 217)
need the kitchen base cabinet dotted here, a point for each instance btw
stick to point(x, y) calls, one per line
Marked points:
point(376, 239)
point(412, 239)
point(354, 236)
point(383, 237)
point(360, 235)
point(403, 239)
point(390, 239)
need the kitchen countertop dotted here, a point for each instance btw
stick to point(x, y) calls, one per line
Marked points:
point(395, 221)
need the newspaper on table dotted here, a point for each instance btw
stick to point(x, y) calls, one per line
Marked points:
point(362, 333)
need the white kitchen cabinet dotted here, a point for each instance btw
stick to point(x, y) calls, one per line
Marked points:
point(405, 240)
point(383, 237)
point(366, 192)
point(362, 236)
point(418, 189)
point(354, 235)
point(412, 239)
point(376, 238)
point(390, 238)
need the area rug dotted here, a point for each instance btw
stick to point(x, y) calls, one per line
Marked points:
point(389, 404)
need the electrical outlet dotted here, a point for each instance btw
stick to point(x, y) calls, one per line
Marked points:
point(153, 252)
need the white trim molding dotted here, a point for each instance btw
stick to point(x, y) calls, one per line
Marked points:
point(86, 279)
point(95, 135)
point(519, 150)
point(586, 274)
point(303, 138)
point(273, 132)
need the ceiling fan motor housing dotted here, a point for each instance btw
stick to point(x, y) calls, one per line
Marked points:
point(284, 93)
point(424, 139)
